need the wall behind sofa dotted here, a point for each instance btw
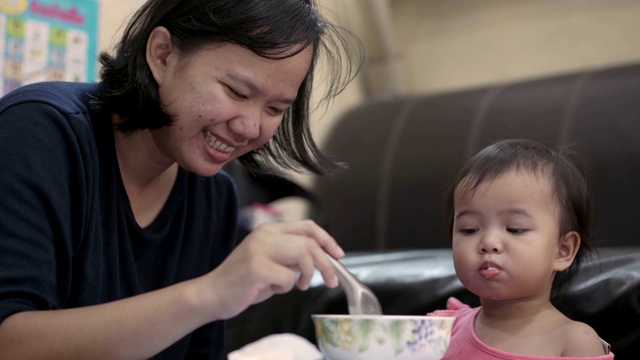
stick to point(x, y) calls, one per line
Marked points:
point(446, 45)
point(449, 45)
point(456, 44)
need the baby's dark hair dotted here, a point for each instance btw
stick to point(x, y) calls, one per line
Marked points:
point(562, 167)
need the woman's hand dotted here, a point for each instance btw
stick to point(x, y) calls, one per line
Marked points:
point(271, 260)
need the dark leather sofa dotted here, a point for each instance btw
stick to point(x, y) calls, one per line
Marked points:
point(387, 209)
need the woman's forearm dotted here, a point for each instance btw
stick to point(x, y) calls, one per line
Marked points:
point(133, 328)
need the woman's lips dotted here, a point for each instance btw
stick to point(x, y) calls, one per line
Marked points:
point(217, 144)
point(219, 151)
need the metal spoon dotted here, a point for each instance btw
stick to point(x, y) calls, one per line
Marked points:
point(361, 300)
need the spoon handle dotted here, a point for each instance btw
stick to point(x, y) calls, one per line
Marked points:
point(360, 298)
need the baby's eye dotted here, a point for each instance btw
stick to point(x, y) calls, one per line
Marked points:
point(468, 230)
point(514, 230)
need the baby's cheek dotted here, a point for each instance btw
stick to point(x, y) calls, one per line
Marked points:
point(461, 261)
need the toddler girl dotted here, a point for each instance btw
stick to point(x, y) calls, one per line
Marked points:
point(519, 216)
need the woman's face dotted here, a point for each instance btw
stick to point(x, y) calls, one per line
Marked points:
point(225, 100)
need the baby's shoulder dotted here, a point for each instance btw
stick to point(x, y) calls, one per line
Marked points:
point(580, 339)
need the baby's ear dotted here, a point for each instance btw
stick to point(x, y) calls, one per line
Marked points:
point(567, 250)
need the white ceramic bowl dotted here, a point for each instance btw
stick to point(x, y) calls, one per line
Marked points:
point(382, 337)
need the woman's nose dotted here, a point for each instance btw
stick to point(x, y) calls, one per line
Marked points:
point(246, 125)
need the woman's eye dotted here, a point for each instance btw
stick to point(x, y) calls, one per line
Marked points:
point(236, 94)
point(516, 230)
point(276, 111)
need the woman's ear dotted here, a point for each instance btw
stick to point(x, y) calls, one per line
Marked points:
point(158, 50)
point(567, 250)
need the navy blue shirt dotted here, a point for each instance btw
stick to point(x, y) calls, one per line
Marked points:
point(68, 237)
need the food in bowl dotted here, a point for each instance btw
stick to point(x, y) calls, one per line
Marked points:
point(382, 337)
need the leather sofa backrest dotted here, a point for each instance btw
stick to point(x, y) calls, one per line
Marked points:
point(403, 153)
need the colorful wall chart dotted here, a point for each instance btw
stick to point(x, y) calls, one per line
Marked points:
point(42, 40)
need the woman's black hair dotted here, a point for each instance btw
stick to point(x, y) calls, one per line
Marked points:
point(274, 29)
point(563, 167)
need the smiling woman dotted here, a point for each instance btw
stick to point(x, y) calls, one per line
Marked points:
point(115, 210)
point(236, 103)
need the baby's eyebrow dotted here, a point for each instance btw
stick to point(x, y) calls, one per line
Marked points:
point(465, 213)
point(517, 211)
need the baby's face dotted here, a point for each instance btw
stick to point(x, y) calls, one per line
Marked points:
point(506, 235)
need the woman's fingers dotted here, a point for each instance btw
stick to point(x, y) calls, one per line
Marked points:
point(306, 268)
point(311, 230)
point(272, 260)
point(306, 249)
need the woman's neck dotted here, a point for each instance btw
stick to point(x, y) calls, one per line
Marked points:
point(147, 179)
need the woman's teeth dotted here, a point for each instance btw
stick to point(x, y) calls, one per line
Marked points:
point(216, 144)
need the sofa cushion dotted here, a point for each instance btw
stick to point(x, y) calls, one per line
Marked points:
point(403, 152)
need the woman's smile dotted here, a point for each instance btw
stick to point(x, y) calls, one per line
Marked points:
point(218, 150)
